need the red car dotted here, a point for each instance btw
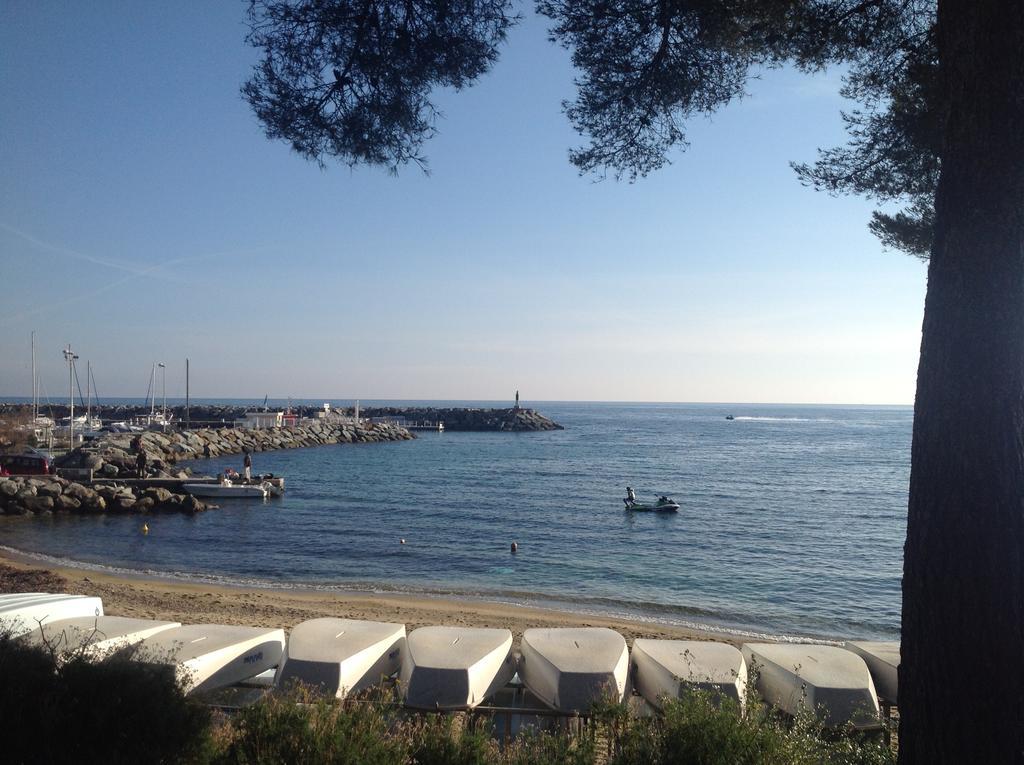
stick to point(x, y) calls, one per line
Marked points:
point(25, 464)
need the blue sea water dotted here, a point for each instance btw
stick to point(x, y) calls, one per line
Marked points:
point(792, 520)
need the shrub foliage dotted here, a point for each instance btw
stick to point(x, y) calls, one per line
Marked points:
point(72, 707)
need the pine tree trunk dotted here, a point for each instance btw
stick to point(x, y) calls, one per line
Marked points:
point(962, 672)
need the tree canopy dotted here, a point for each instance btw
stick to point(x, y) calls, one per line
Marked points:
point(352, 80)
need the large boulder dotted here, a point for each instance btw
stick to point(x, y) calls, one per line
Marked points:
point(122, 503)
point(157, 494)
point(49, 489)
point(38, 504)
point(66, 502)
point(79, 492)
point(95, 505)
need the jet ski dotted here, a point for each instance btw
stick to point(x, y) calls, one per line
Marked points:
point(663, 505)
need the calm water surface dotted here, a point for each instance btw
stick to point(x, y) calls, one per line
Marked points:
point(792, 519)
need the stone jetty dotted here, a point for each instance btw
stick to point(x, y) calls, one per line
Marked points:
point(511, 420)
point(42, 495)
point(112, 455)
point(508, 419)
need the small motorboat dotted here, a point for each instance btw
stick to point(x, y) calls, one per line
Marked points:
point(828, 680)
point(454, 668)
point(213, 656)
point(95, 635)
point(662, 505)
point(571, 668)
point(22, 613)
point(228, 490)
point(883, 660)
point(670, 668)
point(341, 656)
point(729, 417)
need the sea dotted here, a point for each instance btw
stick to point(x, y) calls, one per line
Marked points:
point(791, 523)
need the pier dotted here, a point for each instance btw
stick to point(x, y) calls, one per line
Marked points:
point(402, 422)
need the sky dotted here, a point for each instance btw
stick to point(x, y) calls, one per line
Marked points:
point(145, 217)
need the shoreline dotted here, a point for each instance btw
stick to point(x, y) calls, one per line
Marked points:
point(140, 595)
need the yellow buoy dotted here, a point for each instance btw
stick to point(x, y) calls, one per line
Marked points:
point(145, 528)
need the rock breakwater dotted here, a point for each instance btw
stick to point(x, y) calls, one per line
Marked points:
point(511, 420)
point(215, 416)
point(42, 495)
point(113, 455)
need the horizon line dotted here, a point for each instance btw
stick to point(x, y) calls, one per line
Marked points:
point(179, 400)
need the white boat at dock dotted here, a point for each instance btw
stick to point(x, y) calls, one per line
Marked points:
point(455, 667)
point(571, 668)
point(829, 680)
point(212, 656)
point(668, 668)
point(96, 634)
point(341, 656)
point(883, 660)
point(124, 427)
point(228, 490)
point(21, 613)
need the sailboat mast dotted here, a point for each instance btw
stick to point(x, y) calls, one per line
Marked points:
point(152, 406)
point(88, 393)
point(71, 396)
point(71, 399)
point(35, 385)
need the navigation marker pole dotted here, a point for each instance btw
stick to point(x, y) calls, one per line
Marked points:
point(70, 358)
point(163, 385)
point(35, 412)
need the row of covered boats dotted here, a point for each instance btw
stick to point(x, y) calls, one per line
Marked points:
point(458, 668)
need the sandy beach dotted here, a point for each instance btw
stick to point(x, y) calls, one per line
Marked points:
point(196, 603)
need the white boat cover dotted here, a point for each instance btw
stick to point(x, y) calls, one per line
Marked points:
point(210, 656)
point(455, 667)
point(883, 660)
point(342, 656)
point(828, 679)
point(12, 597)
point(667, 668)
point(99, 634)
point(570, 668)
point(24, 612)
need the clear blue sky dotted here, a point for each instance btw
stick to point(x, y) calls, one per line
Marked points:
point(144, 217)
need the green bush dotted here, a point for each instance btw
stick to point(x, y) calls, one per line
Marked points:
point(449, 740)
point(296, 727)
point(70, 707)
point(540, 748)
point(710, 730)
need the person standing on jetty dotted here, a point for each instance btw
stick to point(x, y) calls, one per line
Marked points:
point(247, 466)
point(140, 462)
